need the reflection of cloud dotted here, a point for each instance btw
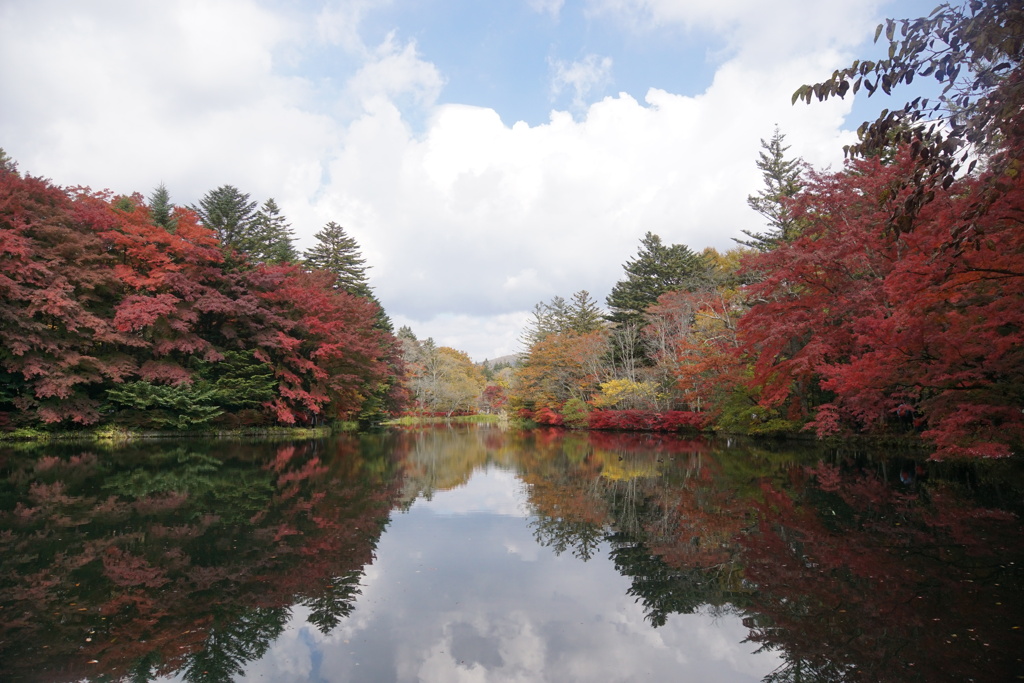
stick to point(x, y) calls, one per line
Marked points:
point(459, 593)
point(517, 652)
point(494, 491)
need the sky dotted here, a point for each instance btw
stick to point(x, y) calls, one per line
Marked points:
point(486, 156)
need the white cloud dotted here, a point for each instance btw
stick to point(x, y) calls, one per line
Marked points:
point(753, 28)
point(549, 7)
point(467, 220)
point(479, 218)
point(393, 72)
point(580, 77)
point(339, 22)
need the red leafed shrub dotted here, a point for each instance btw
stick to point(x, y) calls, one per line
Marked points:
point(647, 421)
point(546, 416)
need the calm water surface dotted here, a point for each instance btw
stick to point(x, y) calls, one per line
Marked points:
point(481, 555)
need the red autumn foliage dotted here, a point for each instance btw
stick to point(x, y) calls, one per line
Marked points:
point(648, 421)
point(93, 294)
point(56, 282)
point(856, 327)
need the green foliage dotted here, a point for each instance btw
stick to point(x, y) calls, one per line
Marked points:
point(338, 253)
point(741, 414)
point(229, 213)
point(580, 315)
point(656, 269)
point(239, 381)
point(575, 414)
point(271, 238)
point(159, 406)
point(781, 181)
point(161, 210)
point(7, 163)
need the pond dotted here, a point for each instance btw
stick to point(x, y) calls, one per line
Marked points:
point(477, 554)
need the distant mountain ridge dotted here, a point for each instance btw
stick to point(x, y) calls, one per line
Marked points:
point(491, 363)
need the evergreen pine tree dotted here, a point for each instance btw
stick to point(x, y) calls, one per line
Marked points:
point(161, 210)
point(229, 213)
point(271, 238)
point(583, 314)
point(657, 268)
point(781, 181)
point(7, 163)
point(338, 253)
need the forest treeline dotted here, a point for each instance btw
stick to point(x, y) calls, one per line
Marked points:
point(886, 298)
point(115, 310)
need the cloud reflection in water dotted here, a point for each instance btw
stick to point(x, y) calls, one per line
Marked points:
point(460, 591)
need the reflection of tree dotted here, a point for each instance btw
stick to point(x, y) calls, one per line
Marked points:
point(187, 559)
point(335, 602)
point(233, 642)
point(561, 534)
point(857, 579)
point(661, 589)
point(182, 558)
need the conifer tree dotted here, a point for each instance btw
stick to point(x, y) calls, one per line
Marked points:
point(229, 213)
point(7, 163)
point(161, 210)
point(271, 238)
point(583, 314)
point(338, 253)
point(656, 269)
point(781, 181)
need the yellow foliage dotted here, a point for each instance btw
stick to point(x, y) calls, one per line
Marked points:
point(619, 391)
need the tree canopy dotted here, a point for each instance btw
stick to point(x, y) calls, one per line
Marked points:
point(107, 315)
point(781, 182)
point(229, 214)
point(656, 269)
point(975, 51)
point(338, 253)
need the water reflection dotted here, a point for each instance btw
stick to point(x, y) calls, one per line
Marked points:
point(478, 554)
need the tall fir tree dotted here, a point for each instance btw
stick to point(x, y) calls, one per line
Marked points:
point(583, 314)
point(161, 210)
point(7, 163)
point(781, 181)
point(271, 238)
point(580, 315)
point(338, 253)
point(229, 213)
point(656, 269)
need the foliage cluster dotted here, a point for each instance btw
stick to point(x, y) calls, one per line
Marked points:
point(115, 311)
point(440, 380)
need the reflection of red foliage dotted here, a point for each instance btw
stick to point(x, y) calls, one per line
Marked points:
point(142, 577)
point(646, 442)
point(841, 571)
point(125, 569)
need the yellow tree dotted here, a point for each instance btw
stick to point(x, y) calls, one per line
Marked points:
point(558, 368)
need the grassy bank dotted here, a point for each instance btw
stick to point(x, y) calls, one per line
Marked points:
point(120, 434)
